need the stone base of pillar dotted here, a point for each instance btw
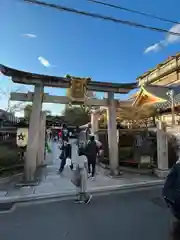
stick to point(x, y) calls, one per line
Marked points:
point(27, 184)
point(29, 175)
point(161, 173)
point(115, 173)
point(24, 182)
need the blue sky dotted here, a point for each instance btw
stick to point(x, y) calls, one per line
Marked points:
point(83, 46)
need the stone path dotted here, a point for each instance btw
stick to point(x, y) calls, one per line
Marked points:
point(53, 184)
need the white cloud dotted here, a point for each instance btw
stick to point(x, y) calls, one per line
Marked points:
point(170, 39)
point(153, 48)
point(44, 62)
point(173, 38)
point(29, 35)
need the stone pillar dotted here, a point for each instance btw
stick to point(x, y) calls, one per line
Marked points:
point(162, 151)
point(94, 123)
point(42, 134)
point(112, 135)
point(33, 136)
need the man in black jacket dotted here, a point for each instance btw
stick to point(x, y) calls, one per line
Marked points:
point(171, 190)
point(65, 153)
point(171, 194)
point(91, 151)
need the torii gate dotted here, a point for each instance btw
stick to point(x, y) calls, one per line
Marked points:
point(78, 87)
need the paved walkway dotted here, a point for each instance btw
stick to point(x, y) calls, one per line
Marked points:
point(52, 184)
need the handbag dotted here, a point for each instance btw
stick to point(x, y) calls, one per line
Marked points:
point(68, 162)
point(76, 177)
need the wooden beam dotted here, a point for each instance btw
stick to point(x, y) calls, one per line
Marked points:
point(58, 84)
point(29, 78)
point(111, 88)
point(28, 97)
point(46, 82)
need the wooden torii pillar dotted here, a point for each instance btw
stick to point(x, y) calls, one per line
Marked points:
point(94, 122)
point(33, 147)
point(112, 135)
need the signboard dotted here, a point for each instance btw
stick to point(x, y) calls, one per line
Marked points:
point(78, 89)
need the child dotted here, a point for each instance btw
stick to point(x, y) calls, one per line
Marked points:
point(83, 196)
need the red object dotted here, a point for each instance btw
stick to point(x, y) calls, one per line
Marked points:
point(60, 134)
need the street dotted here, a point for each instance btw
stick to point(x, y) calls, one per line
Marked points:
point(127, 216)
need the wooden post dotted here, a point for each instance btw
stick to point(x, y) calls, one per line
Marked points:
point(33, 136)
point(112, 135)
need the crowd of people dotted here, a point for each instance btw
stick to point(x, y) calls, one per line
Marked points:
point(88, 155)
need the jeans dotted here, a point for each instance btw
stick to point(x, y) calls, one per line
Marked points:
point(62, 165)
point(91, 166)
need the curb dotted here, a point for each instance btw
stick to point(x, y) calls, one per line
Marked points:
point(71, 194)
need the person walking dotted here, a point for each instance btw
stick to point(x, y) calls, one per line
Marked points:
point(171, 194)
point(100, 156)
point(66, 152)
point(91, 151)
point(82, 168)
point(60, 136)
point(65, 133)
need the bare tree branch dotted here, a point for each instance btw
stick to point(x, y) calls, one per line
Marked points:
point(6, 94)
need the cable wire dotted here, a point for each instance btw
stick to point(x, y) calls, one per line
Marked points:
point(103, 17)
point(133, 11)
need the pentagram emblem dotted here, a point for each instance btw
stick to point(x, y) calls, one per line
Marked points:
point(21, 137)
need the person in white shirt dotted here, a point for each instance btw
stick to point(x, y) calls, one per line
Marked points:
point(82, 164)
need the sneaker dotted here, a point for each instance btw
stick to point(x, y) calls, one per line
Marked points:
point(89, 175)
point(87, 201)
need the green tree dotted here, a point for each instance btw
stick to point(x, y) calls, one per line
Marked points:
point(48, 112)
point(137, 116)
point(28, 110)
point(77, 116)
point(5, 94)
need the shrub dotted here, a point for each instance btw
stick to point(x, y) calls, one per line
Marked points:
point(8, 156)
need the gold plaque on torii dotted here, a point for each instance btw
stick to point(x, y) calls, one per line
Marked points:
point(77, 90)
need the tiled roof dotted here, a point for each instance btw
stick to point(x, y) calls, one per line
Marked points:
point(167, 104)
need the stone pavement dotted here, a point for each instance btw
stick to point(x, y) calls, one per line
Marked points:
point(54, 185)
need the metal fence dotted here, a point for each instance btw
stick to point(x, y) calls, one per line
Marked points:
point(132, 144)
